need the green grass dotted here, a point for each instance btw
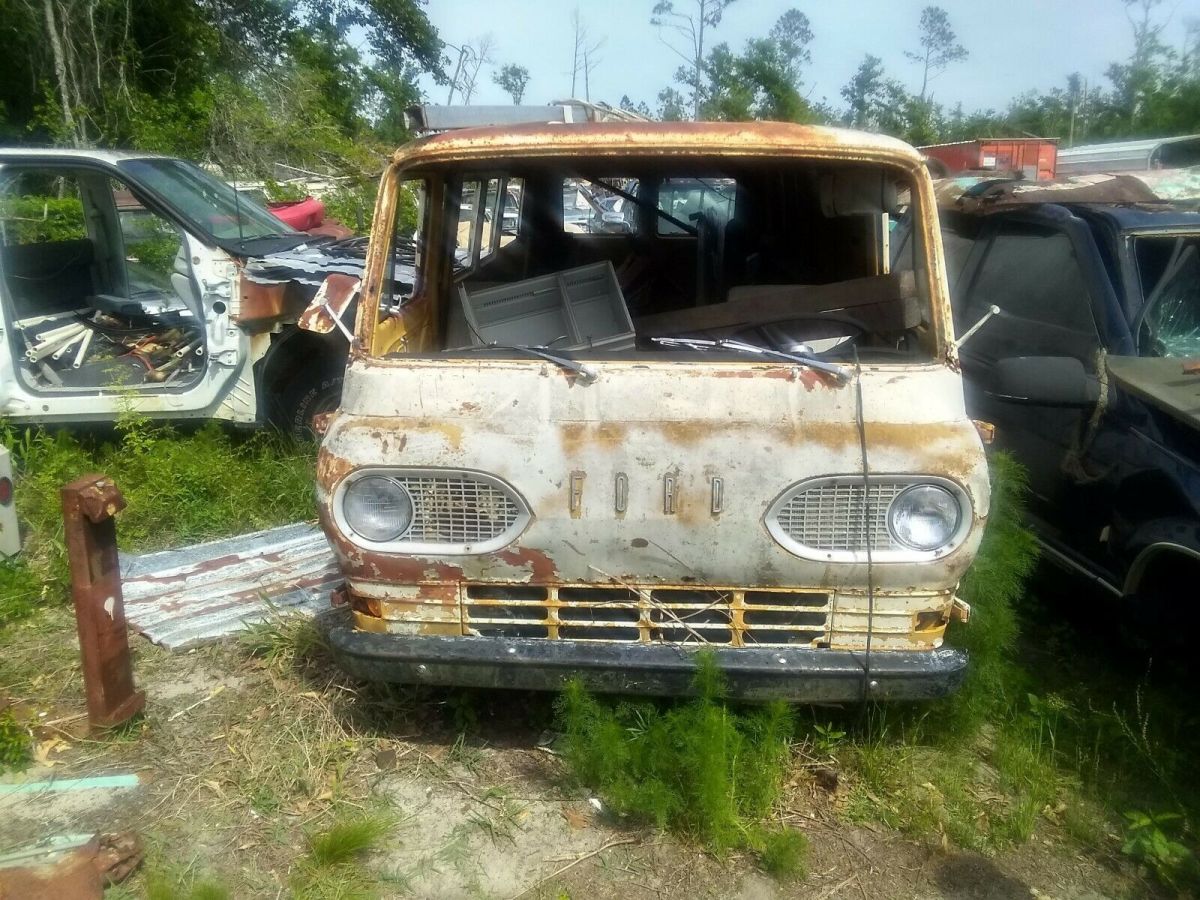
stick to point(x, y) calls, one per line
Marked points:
point(703, 769)
point(179, 488)
point(15, 743)
point(334, 867)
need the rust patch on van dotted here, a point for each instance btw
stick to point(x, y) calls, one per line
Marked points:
point(541, 566)
point(576, 435)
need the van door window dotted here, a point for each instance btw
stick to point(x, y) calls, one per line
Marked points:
point(98, 286)
point(466, 240)
point(1169, 270)
point(1032, 274)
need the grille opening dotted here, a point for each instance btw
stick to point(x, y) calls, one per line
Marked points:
point(510, 593)
point(597, 633)
point(806, 638)
point(691, 596)
point(604, 614)
point(692, 617)
point(597, 595)
point(508, 613)
point(691, 633)
point(783, 598)
point(511, 631)
point(782, 617)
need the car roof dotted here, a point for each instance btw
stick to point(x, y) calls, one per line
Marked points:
point(631, 139)
point(10, 154)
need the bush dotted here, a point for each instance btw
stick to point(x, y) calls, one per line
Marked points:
point(702, 768)
point(179, 488)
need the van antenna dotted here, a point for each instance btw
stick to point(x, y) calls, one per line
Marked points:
point(867, 684)
point(237, 211)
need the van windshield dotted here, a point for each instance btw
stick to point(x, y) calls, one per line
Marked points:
point(604, 262)
point(215, 210)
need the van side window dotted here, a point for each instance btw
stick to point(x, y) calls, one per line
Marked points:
point(467, 235)
point(1032, 274)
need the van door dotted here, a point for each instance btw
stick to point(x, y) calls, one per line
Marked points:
point(102, 311)
point(1035, 272)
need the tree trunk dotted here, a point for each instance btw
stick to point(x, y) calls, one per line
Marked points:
point(60, 70)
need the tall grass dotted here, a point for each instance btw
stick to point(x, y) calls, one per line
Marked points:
point(179, 488)
point(701, 768)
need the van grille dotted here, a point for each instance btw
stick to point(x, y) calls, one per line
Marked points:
point(829, 516)
point(648, 614)
point(457, 510)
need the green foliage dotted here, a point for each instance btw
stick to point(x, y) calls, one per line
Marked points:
point(178, 488)
point(283, 640)
point(14, 743)
point(784, 853)
point(1148, 840)
point(242, 85)
point(37, 220)
point(333, 867)
point(347, 839)
point(157, 252)
point(353, 204)
point(702, 768)
point(993, 585)
point(513, 80)
point(160, 886)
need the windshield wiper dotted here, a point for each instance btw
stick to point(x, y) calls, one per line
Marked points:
point(838, 372)
point(582, 372)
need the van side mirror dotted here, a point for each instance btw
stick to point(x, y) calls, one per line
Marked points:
point(1045, 381)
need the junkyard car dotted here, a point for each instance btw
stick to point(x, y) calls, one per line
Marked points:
point(1084, 370)
point(141, 281)
point(595, 454)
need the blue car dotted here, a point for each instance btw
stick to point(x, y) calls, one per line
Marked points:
point(1090, 372)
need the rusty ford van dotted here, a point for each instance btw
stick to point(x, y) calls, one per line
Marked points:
point(654, 389)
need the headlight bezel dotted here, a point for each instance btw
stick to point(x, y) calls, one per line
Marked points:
point(409, 541)
point(896, 552)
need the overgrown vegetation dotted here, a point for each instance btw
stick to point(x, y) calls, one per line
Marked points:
point(14, 743)
point(701, 768)
point(179, 487)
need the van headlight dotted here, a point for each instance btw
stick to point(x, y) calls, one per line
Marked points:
point(924, 517)
point(377, 508)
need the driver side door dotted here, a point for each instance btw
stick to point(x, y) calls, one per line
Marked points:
point(1033, 272)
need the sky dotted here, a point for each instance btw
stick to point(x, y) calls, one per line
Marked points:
point(1014, 47)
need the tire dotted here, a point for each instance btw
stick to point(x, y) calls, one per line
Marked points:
point(306, 395)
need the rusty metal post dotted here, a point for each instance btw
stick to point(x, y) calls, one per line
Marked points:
point(89, 505)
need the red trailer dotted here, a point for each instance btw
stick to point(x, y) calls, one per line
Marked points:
point(1035, 157)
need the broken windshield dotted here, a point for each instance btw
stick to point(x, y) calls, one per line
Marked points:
point(1169, 269)
point(790, 256)
point(213, 207)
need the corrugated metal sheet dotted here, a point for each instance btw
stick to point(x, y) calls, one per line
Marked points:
point(1118, 156)
point(191, 595)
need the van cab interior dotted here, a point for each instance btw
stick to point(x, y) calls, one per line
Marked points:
point(659, 257)
point(96, 289)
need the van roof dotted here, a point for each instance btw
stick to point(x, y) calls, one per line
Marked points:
point(685, 139)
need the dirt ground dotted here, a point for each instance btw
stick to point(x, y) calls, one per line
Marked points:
point(240, 758)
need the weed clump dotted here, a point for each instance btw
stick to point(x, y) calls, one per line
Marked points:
point(14, 743)
point(702, 768)
point(332, 867)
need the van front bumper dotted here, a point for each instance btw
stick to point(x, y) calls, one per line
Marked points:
point(797, 674)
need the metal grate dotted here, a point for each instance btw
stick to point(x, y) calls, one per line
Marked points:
point(829, 516)
point(457, 510)
point(648, 614)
